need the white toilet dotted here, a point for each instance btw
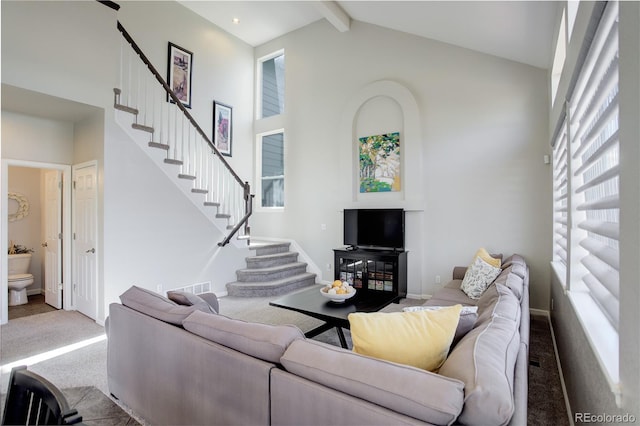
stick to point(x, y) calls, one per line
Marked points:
point(19, 278)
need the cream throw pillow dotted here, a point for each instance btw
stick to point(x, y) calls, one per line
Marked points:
point(478, 277)
point(420, 339)
point(484, 255)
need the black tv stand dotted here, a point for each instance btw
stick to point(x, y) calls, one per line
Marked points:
point(371, 270)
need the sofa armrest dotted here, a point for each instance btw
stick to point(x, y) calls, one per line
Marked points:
point(458, 272)
point(212, 300)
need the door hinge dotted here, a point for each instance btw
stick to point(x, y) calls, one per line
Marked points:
point(74, 235)
point(59, 184)
point(60, 236)
point(74, 184)
point(60, 286)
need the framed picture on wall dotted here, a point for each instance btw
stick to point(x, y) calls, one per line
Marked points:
point(180, 65)
point(380, 163)
point(222, 128)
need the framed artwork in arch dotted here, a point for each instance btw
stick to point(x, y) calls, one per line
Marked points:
point(222, 128)
point(180, 67)
point(380, 163)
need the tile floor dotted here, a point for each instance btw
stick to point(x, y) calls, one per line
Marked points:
point(35, 306)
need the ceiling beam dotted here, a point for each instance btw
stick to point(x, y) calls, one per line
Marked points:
point(333, 13)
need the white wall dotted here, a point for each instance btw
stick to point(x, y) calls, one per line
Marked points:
point(72, 54)
point(151, 234)
point(26, 137)
point(154, 235)
point(222, 66)
point(482, 137)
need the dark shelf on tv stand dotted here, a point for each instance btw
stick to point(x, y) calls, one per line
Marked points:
point(372, 270)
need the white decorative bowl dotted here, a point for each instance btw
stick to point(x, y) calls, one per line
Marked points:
point(337, 298)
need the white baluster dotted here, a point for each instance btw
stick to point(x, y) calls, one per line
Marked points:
point(175, 132)
point(129, 79)
point(120, 82)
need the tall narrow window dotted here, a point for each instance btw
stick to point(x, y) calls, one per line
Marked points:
point(272, 169)
point(586, 185)
point(595, 167)
point(271, 70)
point(559, 58)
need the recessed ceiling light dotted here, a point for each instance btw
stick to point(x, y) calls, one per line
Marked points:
point(235, 20)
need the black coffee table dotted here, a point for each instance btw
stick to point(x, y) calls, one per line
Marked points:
point(310, 302)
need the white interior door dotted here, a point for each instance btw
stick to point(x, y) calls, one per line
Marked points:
point(52, 238)
point(85, 241)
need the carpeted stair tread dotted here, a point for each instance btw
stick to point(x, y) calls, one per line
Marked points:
point(269, 260)
point(272, 287)
point(271, 273)
point(269, 248)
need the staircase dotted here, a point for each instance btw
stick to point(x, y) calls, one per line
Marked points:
point(149, 111)
point(274, 270)
point(159, 120)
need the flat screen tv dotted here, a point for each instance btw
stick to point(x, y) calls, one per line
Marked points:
point(374, 228)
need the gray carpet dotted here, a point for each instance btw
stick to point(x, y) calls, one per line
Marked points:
point(80, 374)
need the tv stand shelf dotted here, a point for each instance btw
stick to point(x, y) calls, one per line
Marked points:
point(373, 270)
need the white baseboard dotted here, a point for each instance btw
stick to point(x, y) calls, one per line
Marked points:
point(562, 383)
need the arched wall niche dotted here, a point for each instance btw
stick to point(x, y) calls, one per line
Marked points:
point(382, 107)
point(377, 116)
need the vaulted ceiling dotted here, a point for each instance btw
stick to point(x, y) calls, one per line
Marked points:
point(521, 31)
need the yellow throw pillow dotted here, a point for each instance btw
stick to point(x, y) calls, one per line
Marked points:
point(484, 255)
point(420, 339)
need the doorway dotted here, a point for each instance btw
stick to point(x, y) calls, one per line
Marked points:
point(47, 234)
point(85, 238)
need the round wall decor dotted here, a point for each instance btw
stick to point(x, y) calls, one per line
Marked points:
point(23, 207)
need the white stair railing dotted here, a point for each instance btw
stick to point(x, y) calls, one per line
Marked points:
point(157, 110)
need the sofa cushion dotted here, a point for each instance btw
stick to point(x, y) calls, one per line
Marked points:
point(519, 269)
point(447, 296)
point(156, 305)
point(455, 283)
point(421, 339)
point(421, 394)
point(264, 341)
point(478, 277)
point(500, 301)
point(189, 299)
point(468, 317)
point(514, 259)
point(512, 280)
point(485, 361)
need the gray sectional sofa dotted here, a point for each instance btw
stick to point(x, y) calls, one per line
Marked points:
point(179, 364)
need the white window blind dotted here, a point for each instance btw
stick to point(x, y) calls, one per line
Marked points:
point(594, 169)
point(560, 196)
